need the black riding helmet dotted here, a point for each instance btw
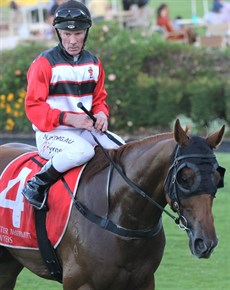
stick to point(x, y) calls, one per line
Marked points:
point(72, 15)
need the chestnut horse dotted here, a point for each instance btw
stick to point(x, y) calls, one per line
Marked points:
point(174, 168)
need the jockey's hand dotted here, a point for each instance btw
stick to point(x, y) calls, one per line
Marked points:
point(80, 121)
point(102, 122)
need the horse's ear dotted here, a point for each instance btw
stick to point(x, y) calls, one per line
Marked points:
point(187, 129)
point(216, 138)
point(180, 135)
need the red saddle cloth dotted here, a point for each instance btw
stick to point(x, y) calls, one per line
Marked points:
point(17, 224)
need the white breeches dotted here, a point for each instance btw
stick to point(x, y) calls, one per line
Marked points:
point(71, 148)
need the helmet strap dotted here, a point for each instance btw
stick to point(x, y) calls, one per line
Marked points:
point(86, 36)
point(58, 34)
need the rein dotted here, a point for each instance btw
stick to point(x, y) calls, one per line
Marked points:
point(107, 224)
point(180, 220)
point(137, 189)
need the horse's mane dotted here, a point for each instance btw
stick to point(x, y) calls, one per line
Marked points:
point(100, 161)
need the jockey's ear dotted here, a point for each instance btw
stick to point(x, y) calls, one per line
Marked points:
point(216, 138)
point(180, 135)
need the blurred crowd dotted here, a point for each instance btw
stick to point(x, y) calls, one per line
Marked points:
point(103, 9)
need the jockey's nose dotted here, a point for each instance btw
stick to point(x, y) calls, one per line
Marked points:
point(73, 39)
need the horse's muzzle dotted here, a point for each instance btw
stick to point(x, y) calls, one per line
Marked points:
point(202, 248)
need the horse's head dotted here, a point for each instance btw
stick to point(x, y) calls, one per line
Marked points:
point(193, 179)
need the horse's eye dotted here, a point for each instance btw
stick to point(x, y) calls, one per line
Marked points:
point(185, 178)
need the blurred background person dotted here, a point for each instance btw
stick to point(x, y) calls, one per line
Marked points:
point(14, 5)
point(15, 16)
point(100, 9)
point(164, 21)
point(50, 32)
point(53, 8)
point(128, 3)
point(224, 9)
point(220, 13)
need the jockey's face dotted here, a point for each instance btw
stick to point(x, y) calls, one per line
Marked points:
point(72, 41)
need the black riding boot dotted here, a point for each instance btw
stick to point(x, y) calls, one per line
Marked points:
point(36, 189)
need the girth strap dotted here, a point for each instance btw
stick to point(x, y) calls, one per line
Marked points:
point(47, 251)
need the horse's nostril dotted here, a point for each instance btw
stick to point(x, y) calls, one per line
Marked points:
point(202, 249)
point(200, 246)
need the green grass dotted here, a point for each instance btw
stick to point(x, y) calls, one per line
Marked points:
point(178, 269)
point(29, 281)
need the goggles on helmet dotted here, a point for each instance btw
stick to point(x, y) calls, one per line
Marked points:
point(71, 14)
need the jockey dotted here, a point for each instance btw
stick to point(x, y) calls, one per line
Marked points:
point(57, 80)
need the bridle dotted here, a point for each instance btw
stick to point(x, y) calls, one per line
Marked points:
point(107, 224)
point(175, 190)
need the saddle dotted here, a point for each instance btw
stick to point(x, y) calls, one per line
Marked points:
point(22, 227)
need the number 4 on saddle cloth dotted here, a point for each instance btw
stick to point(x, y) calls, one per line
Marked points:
point(17, 223)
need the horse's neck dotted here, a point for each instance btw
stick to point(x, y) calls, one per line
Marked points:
point(147, 158)
point(146, 164)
